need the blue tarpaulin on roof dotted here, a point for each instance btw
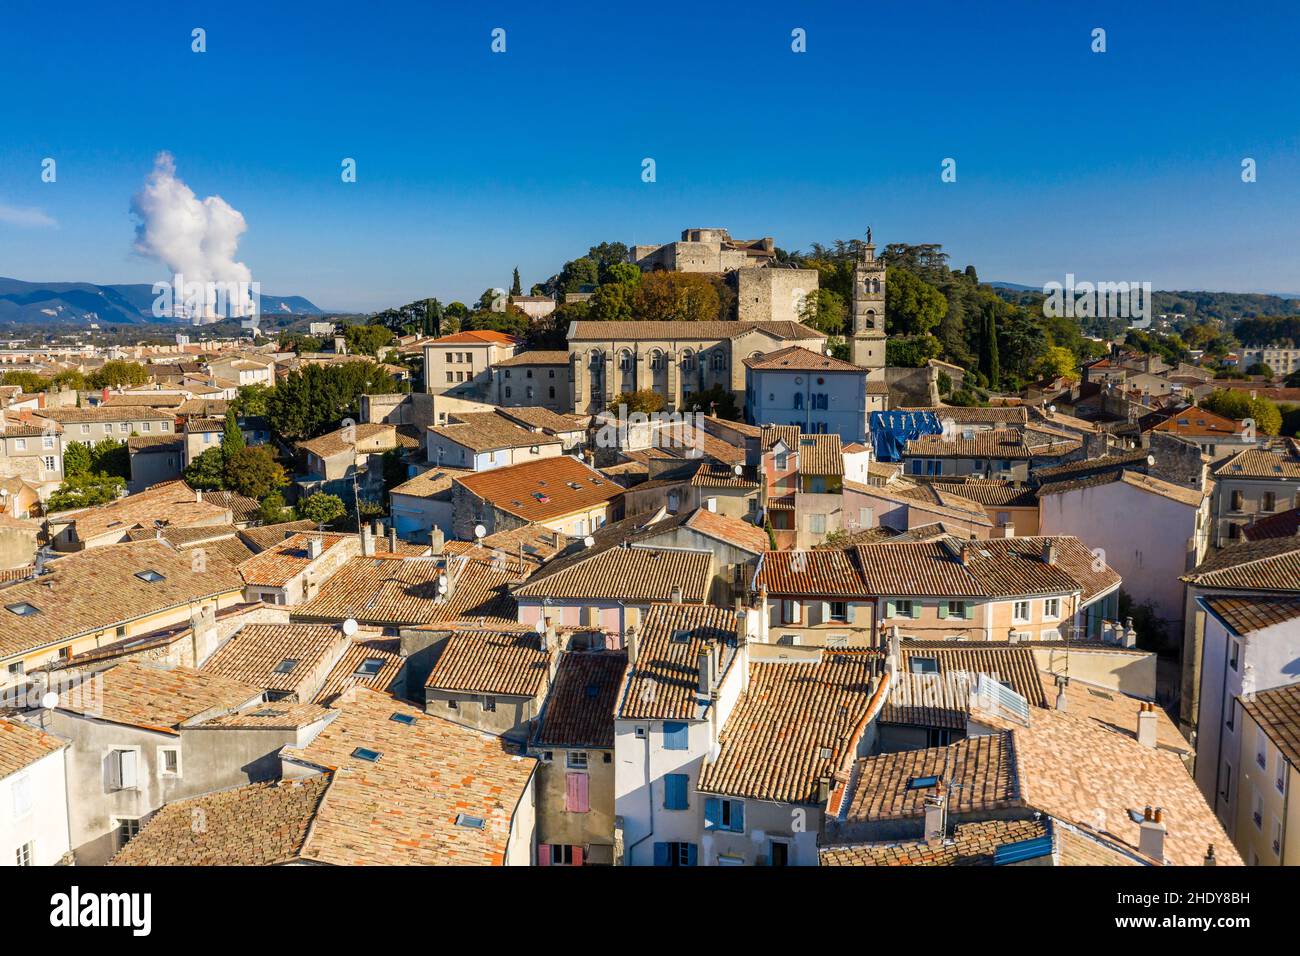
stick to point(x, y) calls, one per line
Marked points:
point(891, 431)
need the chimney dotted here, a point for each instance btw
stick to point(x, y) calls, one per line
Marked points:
point(367, 542)
point(315, 546)
point(1151, 835)
point(1130, 634)
point(936, 817)
point(965, 553)
point(705, 665)
point(198, 495)
point(1049, 551)
point(392, 540)
point(203, 633)
point(629, 644)
point(436, 540)
point(823, 790)
point(677, 594)
point(1146, 729)
point(1210, 859)
point(378, 527)
point(1061, 683)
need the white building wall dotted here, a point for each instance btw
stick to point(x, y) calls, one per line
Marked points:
point(44, 825)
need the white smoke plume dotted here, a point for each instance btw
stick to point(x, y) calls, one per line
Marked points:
point(193, 237)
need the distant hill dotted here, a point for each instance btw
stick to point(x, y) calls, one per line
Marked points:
point(80, 303)
point(1198, 305)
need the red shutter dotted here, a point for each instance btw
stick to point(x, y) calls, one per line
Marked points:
point(543, 854)
point(577, 856)
point(575, 793)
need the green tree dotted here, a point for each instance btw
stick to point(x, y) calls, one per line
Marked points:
point(70, 379)
point(253, 472)
point(910, 351)
point(118, 372)
point(232, 439)
point(621, 273)
point(111, 457)
point(647, 401)
point(322, 508)
point(1057, 362)
point(677, 297)
point(85, 491)
point(912, 305)
point(1259, 368)
point(207, 471)
point(314, 399)
point(76, 459)
point(825, 310)
point(613, 302)
point(251, 399)
point(29, 382)
point(715, 400)
point(516, 287)
point(367, 339)
point(273, 510)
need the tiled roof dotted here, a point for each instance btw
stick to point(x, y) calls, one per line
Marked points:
point(1277, 712)
point(436, 483)
point(387, 592)
point(537, 416)
point(1198, 423)
point(491, 662)
point(1271, 564)
point(691, 331)
point(664, 682)
point(542, 490)
point(403, 807)
point(278, 565)
point(796, 358)
point(971, 844)
point(1246, 615)
point(929, 497)
point(1135, 479)
point(940, 698)
point(1000, 443)
point(538, 357)
point(199, 426)
point(823, 572)
point(1257, 463)
point(155, 699)
point(475, 337)
point(107, 413)
point(980, 774)
point(1115, 711)
point(334, 443)
point(1092, 466)
point(98, 589)
point(255, 654)
point(973, 415)
point(262, 824)
point(349, 672)
point(637, 573)
point(279, 715)
point(485, 431)
point(155, 444)
point(21, 745)
point(1284, 524)
point(579, 709)
point(990, 492)
point(733, 531)
point(267, 536)
point(820, 455)
point(173, 503)
point(796, 722)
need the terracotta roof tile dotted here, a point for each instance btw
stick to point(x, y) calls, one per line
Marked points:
point(21, 745)
point(505, 663)
point(579, 709)
point(542, 490)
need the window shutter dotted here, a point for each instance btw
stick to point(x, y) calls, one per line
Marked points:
point(692, 854)
point(796, 612)
point(575, 793)
point(712, 813)
point(675, 785)
point(114, 760)
point(661, 854)
point(738, 815)
point(943, 609)
point(676, 735)
point(968, 610)
point(916, 609)
point(577, 856)
point(543, 854)
point(850, 612)
point(815, 612)
point(890, 608)
point(825, 612)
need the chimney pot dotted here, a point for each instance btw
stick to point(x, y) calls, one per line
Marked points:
point(1210, 859)
point(1146, 725)
point(677, 594)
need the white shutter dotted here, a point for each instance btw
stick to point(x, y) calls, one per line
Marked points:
point(850, 611)
point(126, 762)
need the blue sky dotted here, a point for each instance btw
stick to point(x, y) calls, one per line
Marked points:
point(1118, 166)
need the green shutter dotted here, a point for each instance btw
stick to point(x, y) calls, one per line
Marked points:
point(943, 609)
point(968, 610)
point(890, 608)
point(916, 609)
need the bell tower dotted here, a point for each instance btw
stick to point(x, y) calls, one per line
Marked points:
point(867, 346)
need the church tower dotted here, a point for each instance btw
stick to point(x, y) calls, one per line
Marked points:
point(867, 345)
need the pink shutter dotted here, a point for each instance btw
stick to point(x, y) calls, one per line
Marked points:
point(543, 854)
point(575, 793)
point(577, 856)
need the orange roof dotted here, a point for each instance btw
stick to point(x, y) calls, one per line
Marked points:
point(542, 490)
point(476, 337)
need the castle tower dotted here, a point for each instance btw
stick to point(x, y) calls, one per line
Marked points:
point(867, 345)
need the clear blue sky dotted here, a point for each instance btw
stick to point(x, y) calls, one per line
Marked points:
point(1119, 166)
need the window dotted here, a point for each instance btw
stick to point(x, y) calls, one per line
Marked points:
point(1052, 608)
point(1238, 499)
point(964, 609)
point(85, 429)
point(22, 794)
point(719, 361)
point(1019, 611)
point(369, 667)
point(902, 609)
point(489, 705)
point(122, 765)
point(1257, 813)
point(723, 814)
point(146, 426)
point(816, 524)
point(47, 441)
point(452, 705)
point(400, 718)
point(22, 609)
point(366, 754)
point(23, 855)
point(50, 463)
point(124, 428)
point(1234, 653)
point(923, 665)
point(922, 783)
point(675, 854)
point(169, 761)
point(20, 444)
point(473, 823)
point(676, 735)
point(286, 666)
point(150, 575)
point(1261, 748)
point(1269, 503)
point(576, 760)
point(1231, 708)
point(676, 788)
point(127, 830)
point(839, 610)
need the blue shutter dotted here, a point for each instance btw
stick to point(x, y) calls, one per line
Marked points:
point(738, 815)
point(676, 735)
point(712, 813)
point(692, 854)
point(661, 854)
point(675, 787)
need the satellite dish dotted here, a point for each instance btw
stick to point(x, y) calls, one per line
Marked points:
point(1051, 408)
point(540, 626)
point(588, 541)
point(442, 580)
point(1151, 459)
point(479, 531)
point(442, 588)
point(738, 469)
point(49, 700)
point(349, 627)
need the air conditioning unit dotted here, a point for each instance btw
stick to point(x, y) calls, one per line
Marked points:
point(1018, 636)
